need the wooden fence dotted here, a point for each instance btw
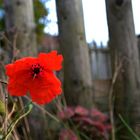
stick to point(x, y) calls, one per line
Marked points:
point(101, 74)
point(100, 63)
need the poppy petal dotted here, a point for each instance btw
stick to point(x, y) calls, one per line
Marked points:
point(51, 60)
point(19, 65)
point(16, 89)
point(45, 89)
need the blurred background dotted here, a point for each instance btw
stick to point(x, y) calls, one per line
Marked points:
point(100, 43)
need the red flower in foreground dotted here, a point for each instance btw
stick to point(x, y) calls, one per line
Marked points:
point(36, 76)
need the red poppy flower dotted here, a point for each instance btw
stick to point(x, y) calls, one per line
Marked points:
point(36, 76)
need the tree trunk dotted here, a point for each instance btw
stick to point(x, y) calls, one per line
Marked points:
point(138, 43)
point(124, 50)
point(20, 23)
point(77, 72)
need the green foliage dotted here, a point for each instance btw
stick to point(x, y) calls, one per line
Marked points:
point(2, 108)
point(40, 12)
point(130, 130)
point(23, 113)
point(2, 23)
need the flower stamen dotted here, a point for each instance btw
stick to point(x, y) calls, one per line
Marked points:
point(36, 70)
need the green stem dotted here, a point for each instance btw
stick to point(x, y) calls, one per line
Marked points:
point(128, 128)
point(18, 114)
point(43, 110)
point(16, 121)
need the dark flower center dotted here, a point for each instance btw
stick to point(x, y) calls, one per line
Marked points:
point(36, 70)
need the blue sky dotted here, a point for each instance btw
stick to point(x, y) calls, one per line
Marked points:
point(94, 18)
